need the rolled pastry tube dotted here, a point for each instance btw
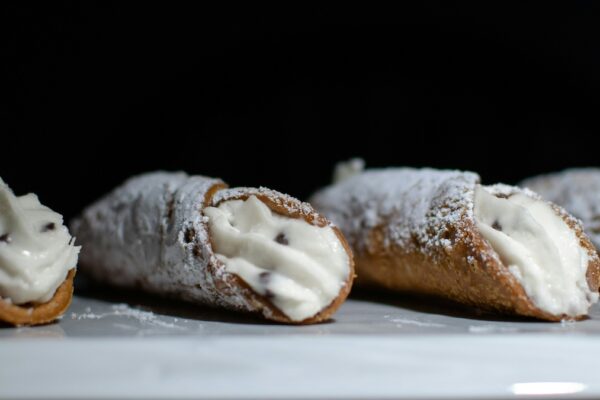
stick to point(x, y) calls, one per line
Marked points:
point(442, 233)
point(37, 261)
point(191, 238)
point(578, 191)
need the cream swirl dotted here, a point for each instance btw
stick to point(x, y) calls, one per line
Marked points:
point(539, 249)
point(298, 266)
point(36, 249)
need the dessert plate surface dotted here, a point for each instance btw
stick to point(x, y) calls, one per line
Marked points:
point(110, 346)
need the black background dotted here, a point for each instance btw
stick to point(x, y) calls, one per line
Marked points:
point(274, 97)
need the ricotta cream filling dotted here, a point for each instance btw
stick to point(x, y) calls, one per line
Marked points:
point(36, 249)
point(299, 267)
point(539, 249)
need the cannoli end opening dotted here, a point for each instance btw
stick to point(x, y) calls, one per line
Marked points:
point(36, 249)
point(299, 267)
point(538, 248)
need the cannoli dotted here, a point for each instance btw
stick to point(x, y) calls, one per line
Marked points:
point(37, 261)
point(442, 233)
point(578, 191)
point(191, 238)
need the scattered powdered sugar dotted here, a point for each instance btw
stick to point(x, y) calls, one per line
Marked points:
point(492, 329)
point(414, 207)
point(123, 310)
point(567, 323)
point(421, 324)
point(578, 191)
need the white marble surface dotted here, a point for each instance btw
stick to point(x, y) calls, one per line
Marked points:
point(123, 346)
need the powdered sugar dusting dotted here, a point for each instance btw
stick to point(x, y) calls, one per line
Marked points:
point(578, 191)
point(415, 207)
point(123, 310)
point(421, 324)
point(150, 233)
point(491, 328)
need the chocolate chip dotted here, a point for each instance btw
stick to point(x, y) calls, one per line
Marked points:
point(50, 226)
point(190, 233)
point(264, 277)
point(269, 295)
point(5, 238)
point(496, 225)
point(502, 195)
point(282, 239)
point(197, 251)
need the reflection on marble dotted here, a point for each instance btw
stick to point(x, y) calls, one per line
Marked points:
point(547, 388)
point(117, 345)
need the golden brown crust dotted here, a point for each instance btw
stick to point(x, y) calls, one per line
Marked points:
point(37, 314)
point(415, 230)
point(288, 207)
point(470, 274)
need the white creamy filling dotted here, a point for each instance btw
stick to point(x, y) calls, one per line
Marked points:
point(36, 250)
point(299, 267)
point(539, 248)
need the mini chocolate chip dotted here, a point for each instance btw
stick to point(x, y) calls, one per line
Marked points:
point(269, 295)
point(264, 277)
point(282, 239)
point(190, 233)
point(197, 251)
point(50, 226)
point(502, 195)
point(496, 225)
point(5, 238)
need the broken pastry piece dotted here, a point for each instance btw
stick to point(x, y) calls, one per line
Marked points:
point(37, 261)
point(443, 233)
point(578, 191)
point(191, 238)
